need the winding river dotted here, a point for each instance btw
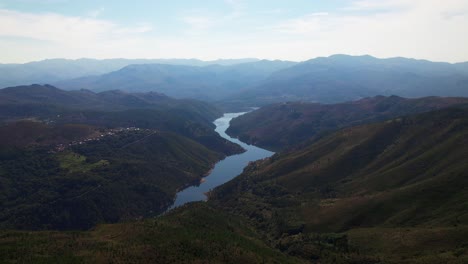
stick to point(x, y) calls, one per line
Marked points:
point(224, 170)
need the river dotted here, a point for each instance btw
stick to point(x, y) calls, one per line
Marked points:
point(224, 170)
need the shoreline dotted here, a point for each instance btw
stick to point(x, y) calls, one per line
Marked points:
point(200, 193)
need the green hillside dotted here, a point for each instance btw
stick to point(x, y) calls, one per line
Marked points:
point(284, 125)
point(49, 102)
point(193, 234)
point(121, 177)
point(406, 174)
point(77, 164)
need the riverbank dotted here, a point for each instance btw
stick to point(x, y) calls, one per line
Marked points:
point(225, 169)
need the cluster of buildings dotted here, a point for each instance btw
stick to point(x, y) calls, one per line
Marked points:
point(97, 136)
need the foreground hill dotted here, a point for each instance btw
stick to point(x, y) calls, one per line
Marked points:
point(195, 234)
point(81, 158)
point(342, 78)
point(283, 125)
point(368, 182)
point(211, 82)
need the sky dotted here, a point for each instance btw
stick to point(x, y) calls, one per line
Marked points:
point(295, 30)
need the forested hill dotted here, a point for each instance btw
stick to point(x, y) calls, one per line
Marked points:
point(369, 183)
point(42, 97)
point(71, 160)
point(283, 125)
point(111, 109)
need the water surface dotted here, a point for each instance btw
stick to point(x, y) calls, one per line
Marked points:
point(224, 170)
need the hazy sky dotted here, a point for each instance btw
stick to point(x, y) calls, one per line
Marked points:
point(210, 29)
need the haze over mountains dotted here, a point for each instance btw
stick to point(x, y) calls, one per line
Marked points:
point(54, 70)
point(342, 78)
point(213, 82)
point(250, 82)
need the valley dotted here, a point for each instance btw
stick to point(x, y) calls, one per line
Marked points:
point(224, 170)
point(234, 131)
point(147, 172)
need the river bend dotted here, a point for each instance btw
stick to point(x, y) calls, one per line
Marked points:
point(224, 170)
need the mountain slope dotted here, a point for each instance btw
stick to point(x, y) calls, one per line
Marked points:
point(114, 178)
point(283, 125)
point(33, 100)
point(408, 172)
point(85, 99)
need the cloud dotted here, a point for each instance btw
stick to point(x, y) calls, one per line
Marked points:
point(237, 7)
point(303, 25)
point(379, 5)
point(95, 13)
point(428, 29)
point(64, 36)
point(61, 29)
point(275, 11)
point(199, 22)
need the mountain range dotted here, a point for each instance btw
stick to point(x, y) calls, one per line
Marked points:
point(54, 70)
point(247, 82)
point(342, 78)
point(213, 82)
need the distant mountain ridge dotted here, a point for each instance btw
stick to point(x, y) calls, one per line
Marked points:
point(340, 78)
point(212, 82)
point(53, 70)
point(237, 84)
